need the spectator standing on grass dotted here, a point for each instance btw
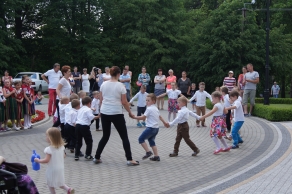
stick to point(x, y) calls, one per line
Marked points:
point(77, 79)
point(229, 81)
point(184, 84)
point(100, 78)
point(250, 80)
point(85, 81)
point(130, 74)
point(52, 77)
point(275, 90)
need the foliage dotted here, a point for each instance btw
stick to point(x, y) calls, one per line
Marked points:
point(273, 112)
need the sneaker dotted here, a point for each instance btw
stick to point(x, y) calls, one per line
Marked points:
point(218, 151)
point(143, 123)
point(155, 158)
point(88, 157)
point(76, 158)
point(226, 149)
point(2, 130)
point(15, 128)
point(139, 125)
point(7, 128)
point(132, 105)
point(249, 114)
point(25, 128)
point(234, 147)
point(71, 191)
point(81, 154)
point(173, 154)
point(246, 115)
point(148, 154)
point(96, 161)
point(240, 141)
point(196, 153)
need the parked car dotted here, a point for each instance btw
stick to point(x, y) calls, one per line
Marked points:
point(38, 83)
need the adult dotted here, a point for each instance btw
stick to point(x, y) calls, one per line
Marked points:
point(52, 77)
point(125, 79)
point(229, 81)
point(130, 74)
point(275, 90)
point(93, 81)
point(6, 77)
point(170, 79)
point(184, 84)
point(63, 89)
point(77, 79)
point(250, 80)
point(106, 76)
point(85, 81)
point(112, 97)
point(100, 78)
point(240, 80)
point(159, 88)
point(144, 79)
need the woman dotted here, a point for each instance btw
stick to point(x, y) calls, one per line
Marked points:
point(100, 78)
point(85, 81)
point(106, 76)
point(240, 80)
point(144, 79)
point(112, 98)
point(170, 79)
point(93, 81)
point(77, 79)
point(184, 84)
point(229, 81)
point(6, 77)
point(63, 89)
point(159, 89)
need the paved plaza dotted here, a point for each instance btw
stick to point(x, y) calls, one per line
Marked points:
point(261, 164)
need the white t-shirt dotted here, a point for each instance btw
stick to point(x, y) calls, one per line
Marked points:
point(71, 120)
point(220, 109)
point(152, 116)
point(226, 100)
point(251, 76)
point(54, 78)
point(95, 105)
point(66, 89)
point(238, 112)
point(84, 116)
point(141, 99)
point(62, 112)
point(105, 76)
point(173, 94)
point(112, 99)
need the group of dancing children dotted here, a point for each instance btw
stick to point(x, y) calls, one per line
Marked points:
point(17, 103)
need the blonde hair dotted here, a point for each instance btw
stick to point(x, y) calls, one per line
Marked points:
point(152, 97)
point(55, 137)
point(81, 92)
point(183, 99)
point(217, 94)
point(74, 96)
point(64, 100)
point(95, 92)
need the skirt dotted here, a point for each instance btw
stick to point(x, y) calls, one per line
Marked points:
point(26, 107)
point(2, 112)
point(19, 111)
point(172, 105)
point(10, 108)
point(158, 92)
point(218, 126)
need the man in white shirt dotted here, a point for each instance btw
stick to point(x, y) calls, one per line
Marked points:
point(52, 77)
point(275, 90)
point(130, 74)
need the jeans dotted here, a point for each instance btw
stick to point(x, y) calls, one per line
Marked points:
point(52, 102)
point(150, 134)
point(275, 95)
point(235, 135)
point(128, 96)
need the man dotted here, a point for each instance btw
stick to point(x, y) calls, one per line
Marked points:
point(130, 74)
point(125, 79)
point(229, 81)
point(275, 90)
point(250, 80)
point(77, 79)
point(52, 77)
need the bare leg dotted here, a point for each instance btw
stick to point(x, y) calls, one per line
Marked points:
point(65, 187)
point(162, 103)
point(154, 148)
point(245, 109)
point(250, 108)
point(144, 145)
point(52, 190)
point(169, 115)
point(158, 102)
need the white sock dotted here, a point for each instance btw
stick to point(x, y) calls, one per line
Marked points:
point(52, 190)
point(224, 142)
point(65, 187)
point(215, 139)
point(26, 120)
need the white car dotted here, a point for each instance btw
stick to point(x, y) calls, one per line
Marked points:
point(38, 84)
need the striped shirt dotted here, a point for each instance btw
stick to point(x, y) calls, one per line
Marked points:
point(229, 82)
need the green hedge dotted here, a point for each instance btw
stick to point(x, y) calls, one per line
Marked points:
point(275, 100)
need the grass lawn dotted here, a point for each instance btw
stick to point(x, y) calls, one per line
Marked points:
point(282, 106)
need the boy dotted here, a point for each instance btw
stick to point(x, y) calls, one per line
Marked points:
point(62, 104)
point(84, 118)
point(38, 98)
point(95, 108)
point(192, 93)
point(152, 127)
point(200, 96)
point(183, 127)
point(238, 118)
point(81, 95)
point(224, 91)
point(141, 105)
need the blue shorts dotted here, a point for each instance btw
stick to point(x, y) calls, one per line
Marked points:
point(193, 102)
point(150, 134)
point(140, 110)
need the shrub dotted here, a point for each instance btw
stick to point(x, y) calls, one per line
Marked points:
point(273, 113)
point(209, 104)
point(275, 100)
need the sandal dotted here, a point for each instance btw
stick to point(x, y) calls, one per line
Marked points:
point(130, 163)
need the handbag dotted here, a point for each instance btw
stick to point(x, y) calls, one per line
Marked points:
point(138, 83)
point(17, 168)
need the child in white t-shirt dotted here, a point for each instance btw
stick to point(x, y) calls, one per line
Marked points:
point(81, 94)
point(95, 108)
point(62, 104)
point(224, 91)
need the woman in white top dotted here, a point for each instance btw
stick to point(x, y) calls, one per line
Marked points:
point(85, 81)
point(106, 76)
point(112, 98)
point(63, 89)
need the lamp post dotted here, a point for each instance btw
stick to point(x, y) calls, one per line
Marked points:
point(267, 87)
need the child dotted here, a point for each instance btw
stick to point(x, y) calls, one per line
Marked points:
point(95, 108)
point(201, 96)
point(218, 124)
point(172, 100)
point(27, 101)
point(224, 92)
point(141, 104)
point(84, 118)
point(217, 89)
point(10, 104)
point(238, 118)
point(69, 128)
point(183, 127)
point(32, 107)
point(2, 109)
point(152, 127)
point(55, 160)
point(19, 99)
point(62, 104)
point(81, 94)
point(192, 92)
point(39, 98)
point(236, 88)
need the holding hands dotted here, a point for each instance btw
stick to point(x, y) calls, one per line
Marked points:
point(166, 125)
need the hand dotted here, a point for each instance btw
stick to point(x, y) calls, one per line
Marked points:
point(144, 80)
point(48, 81)
point(37, 160)
point(30, 102)
point(202, 118)
point(131, 115)
point(166, 125)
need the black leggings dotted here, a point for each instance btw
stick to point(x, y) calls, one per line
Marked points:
point(228, 121)
point(120, 124)
point(58, 122)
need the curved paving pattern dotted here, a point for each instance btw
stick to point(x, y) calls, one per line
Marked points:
point(183, 174)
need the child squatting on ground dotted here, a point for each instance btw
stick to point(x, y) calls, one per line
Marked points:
point(152, 117)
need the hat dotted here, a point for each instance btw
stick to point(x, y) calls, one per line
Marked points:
point(230, 72)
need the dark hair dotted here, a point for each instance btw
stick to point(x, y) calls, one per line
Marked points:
point(152, 96)
point(114, 71)
point(159, 70)
point(86, 100)
point(244, 67)
point(250, 64)
point(56, 64)
point(184, 72)
point(65, 69)
point(17, 82)
point(75, 103)
point(234, 93)
point(224, 89)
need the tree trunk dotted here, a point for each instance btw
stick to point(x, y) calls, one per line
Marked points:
point(18, 23)
point(283, 84)
point(290, 86)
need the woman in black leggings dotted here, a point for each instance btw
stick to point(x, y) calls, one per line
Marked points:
point(112, 98)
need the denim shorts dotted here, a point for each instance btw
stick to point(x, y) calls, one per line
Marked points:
point(140, 110)
point(193, 102)
point(150, 134)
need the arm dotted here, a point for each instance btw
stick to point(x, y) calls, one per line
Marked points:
point(189, 88)
point(125, 103)
point(45, 160)
point(155, 80)
point(45, 78)
point(208, 96)
point(253, 81)
point(194, 115)
point(194, 97)
point(58, 90)
point(148, 77)
point(142, 117)
point(7, 95)
point(209, 113)
point(140, 78)
point(230, 107)
point(162, 95)
point(162, 120)
point(176, 120)
point(134, 98)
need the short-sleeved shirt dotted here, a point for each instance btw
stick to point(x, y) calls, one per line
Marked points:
point(127, 84)
point(77, 81)
point(251, 76)
point(152, 116)
point(160, 86)
point(112, 97)
point(100, 79)
point(238, 112)
point(84, 116)
point(240, 80)
point(220, 109)
point(106, 76)
point(173, 94)
point(54, 78)
point(170, 79)
point(275, 89)
point(183, 86)
point(229, 82)
point(66, 89)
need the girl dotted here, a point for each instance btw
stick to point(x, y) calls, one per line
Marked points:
point(27, 101)
point(218, 124)
point(55, 154)
point(172, 100)
point(192, 93)
point(11, 105)
point(2, 109)
point(19, 99)
point(32, 106)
